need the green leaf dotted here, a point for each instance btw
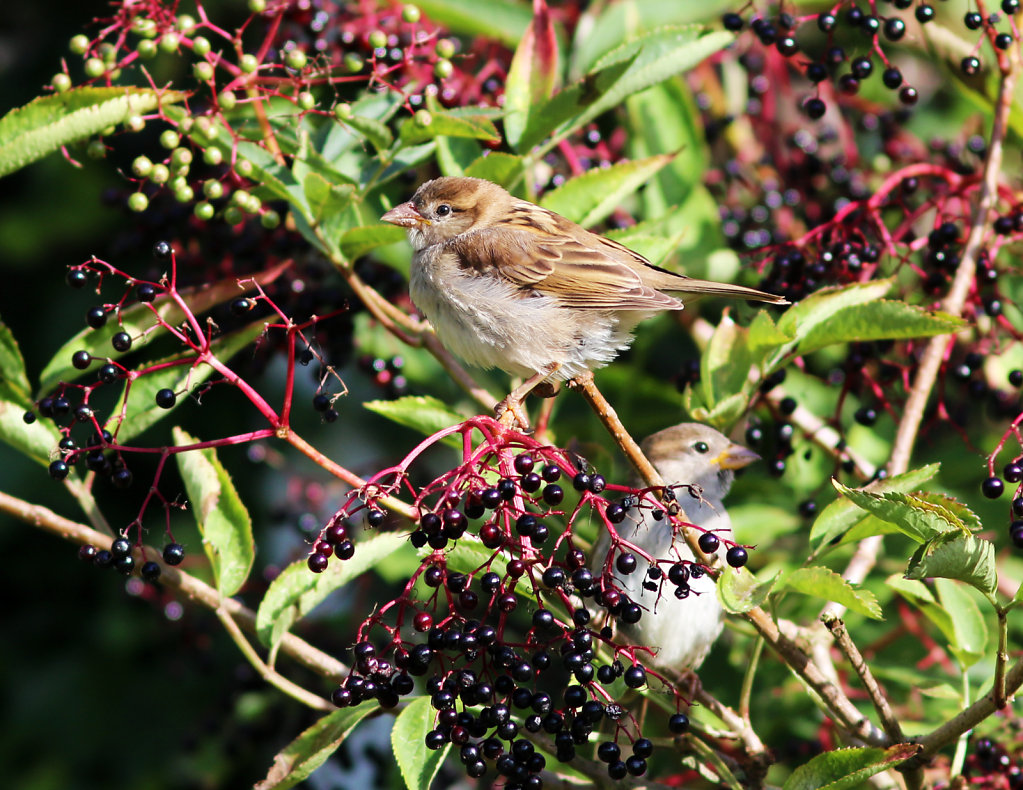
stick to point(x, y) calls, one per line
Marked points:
point(358, 241)
point(739, 590)
point(592, 196)
point(532, 74)
point(14, 384)
point(37, 440)
point(914, 516)
point(824, 583)
point(843, 514)
point(418, 764)
point(609, 25)
point(139, 319)
point(422, 413)
point(141, 411)
point(665, 118)
point(446, 124)
point(628, 69)
point(953, 555)
point(468, 555)
point(222, 519)
point(42, 126)
point(820, 306)
point(377, 132)
point(297, 590)
point(502, 20)
point(842, 768)
point(455, 154)
point(878, 320)
point(969, 630)
point(297, 761)
point(501, 168)
point(725, 364)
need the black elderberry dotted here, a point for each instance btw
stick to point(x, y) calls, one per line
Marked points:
point(1016, 378)
point(506, 489)
point(973, 20)
point(608, 752)
point(732, 22)
point(736, 556)
point(59, 470)
point(892, 78)
point(992, 487)
point(617, 770)
point(96, 317)
point(908, 95)
point(678, 724)
point(80, 360)
point(162, 250)
point(814, 108)
point(924, 13)
point(1003, 41)
point(121, 341)
point(826, 22)
point(597, 484)
point(150, 571)
point(530, 482)
point(709, 542)
point(862, 68)
point(108, 374)
point(87, 553)
point(317, 563)
point(146, 292)
point(816, 72)
point(121, 478)
point(635, 677)
point(124, 565)
point(523, 463)
point(553, 494)
point(104, 558)
point(626, 563)
point(894, 28)
point(166, 398)
point(970, 65)
point(76, 278)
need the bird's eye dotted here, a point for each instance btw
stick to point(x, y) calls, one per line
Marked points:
point(701, 447)
point(443, 210)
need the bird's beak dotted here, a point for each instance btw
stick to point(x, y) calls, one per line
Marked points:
point(735, 456)
point(405, 215)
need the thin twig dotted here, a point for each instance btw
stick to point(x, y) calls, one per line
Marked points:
point(296, 648)
point(877, 697)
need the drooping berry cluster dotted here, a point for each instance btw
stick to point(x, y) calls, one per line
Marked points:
point(503, 615)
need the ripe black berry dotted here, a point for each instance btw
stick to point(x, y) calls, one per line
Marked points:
point(146, 292)
point(973, 20)
point(709, 542)
point(76, 278)
point(317, 563)
point(80, 360)
point(862, 68)
point(992, 488)
point(150, 571)
point(894, 28)
point(814, 108)
point(59, 470)
point(678, 724)
point(121, 341)
point(970, 65)
point(96, 317)
point(732, 21)
point(736, 556)
point(892, 78)
point(924, 13)
point(1003, 41)
point(635, 676)
point(626, 563)
point(87, 553)
point(166, 398)
point(173, 553)
point(553, 494)
point(826, 22)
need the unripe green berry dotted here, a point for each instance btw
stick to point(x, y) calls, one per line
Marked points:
point(61, 82)
point(79, 44)
point(185, 124)
point(96, 149)
point(343, 111)
point(270, 219)
point(213, 156)
point(213, 189)
point(94, 67)
point(410, 14)
point(248, 63)
point(185, 23)
point(239, 197)
point(233, 215)
point(107, 131)
point(353, 63)
point(295, 59)
point(305, 100)
point(227, 100)
point(136, 123)
point(108, 52)
point(144, 26)
point(181, 157)
point(202, 71)
point(180, 182)
point(423, 118)
point(138, 202)
point(170, 42)
point(147, 49)
point(445, 48)
point(170, 139)
point(204, 211)
point(253, 205)
point(184, 195)
point(160, 174)
point(243, 167)
point(378, 39)
point(442, 69)
point(201, 46)
point(142, 166)
point(257, 6)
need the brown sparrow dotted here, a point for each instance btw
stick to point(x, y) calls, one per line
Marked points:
point(699, 463)
point(508, 284)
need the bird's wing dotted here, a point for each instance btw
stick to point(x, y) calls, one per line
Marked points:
point(538, 250)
